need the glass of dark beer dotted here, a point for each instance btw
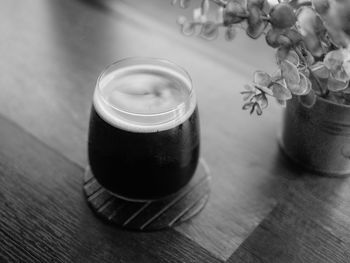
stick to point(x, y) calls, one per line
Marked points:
point(144, 135)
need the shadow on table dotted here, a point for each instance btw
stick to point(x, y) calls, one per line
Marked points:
point(310, 222)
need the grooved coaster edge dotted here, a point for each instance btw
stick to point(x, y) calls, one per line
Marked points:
point(150, 215)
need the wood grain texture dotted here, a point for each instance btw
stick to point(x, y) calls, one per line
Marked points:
point(261, 209)
point(50, 64)
point(44, 216)
point(310, 224)
point(288, 235)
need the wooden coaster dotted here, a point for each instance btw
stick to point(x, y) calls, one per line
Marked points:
point(150, 215)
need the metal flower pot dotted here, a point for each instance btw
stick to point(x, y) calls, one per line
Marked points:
point(318, 138)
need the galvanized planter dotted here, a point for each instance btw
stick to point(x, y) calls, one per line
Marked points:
point(318, 138)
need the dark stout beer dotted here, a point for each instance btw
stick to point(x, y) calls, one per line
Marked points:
point(144, 129)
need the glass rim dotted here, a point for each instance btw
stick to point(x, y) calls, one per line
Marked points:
point(163, 62)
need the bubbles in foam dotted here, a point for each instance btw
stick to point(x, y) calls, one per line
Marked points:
point(144, 98)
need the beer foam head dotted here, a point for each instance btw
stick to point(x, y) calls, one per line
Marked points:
point(144, 97)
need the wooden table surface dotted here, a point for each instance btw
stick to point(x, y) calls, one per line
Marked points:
point(261, 208)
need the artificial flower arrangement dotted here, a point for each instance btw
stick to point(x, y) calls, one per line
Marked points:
point(311, 39)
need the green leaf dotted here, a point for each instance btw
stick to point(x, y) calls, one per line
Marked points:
point(334, 60)
point(302, 88)
point(254, 16)
point(336, 14)
point(256, 31)
point(336, 85)
point(272, 36)
point(338, 37)
point(252, 108)
point(281, 54)
point(264, 89)
point(319, 84)
point(310, 26)
point(247, 95)
point(346, 61)
point(305, 71)
point(258, 109)
point(248, 105)
point(289, 72)
point(313, 44)
point(280, 91)
point(284, 53)
point(340, 75)
point(284, 41)
point(282, 16)
point(262, 99)
point(256, 25)
point(306, 17)
point(209, 30)
point(310, 60)
point(309, 86)
point(293, 35)
point(276, 76)
point(309, 99)
point(321, 6)
point(262, 79)
point(293, 57)
point(188, 28)
point(249, 87)
point(234, 12)
point(320, 70)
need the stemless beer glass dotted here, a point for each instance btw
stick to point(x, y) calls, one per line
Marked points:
point(144, 129)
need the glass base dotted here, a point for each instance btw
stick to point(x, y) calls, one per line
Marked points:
point(148, 215)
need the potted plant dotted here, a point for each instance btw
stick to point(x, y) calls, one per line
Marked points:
point(312, 40)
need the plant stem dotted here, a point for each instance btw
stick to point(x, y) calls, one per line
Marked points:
point(265, 18)
point(319, 86)
point(323, 93)
point(300, 55)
